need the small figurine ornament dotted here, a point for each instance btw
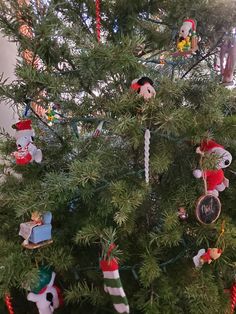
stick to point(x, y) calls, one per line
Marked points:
point(187, 41)
point(206, 257)
point(53, 114)
point(182, 214)
point(144, 87)
point(215, 179)
point(48, 299)
point(26, 152)
point(38, 231)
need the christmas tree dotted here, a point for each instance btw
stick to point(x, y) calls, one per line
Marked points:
point(117, 162)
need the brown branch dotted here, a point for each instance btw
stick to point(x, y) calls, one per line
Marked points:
point(204, 57)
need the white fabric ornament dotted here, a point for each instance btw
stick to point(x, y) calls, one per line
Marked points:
point(146, 154)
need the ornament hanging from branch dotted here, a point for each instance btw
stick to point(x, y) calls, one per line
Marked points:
point(98, 19)
point(144, 87)
point(233, 297)
point(98, 130)
point(182, 214)
point(208, 206)
point(146, 154)
point(48, 298)
point(112, 283)
point(26, 152)
point(215, 179)
point(38, 231)
point(54, 115)
point(206, 257)
point(187, 42)
point(9, 304)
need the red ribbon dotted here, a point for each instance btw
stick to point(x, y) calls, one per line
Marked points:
point(98, 20)
point(9, 304)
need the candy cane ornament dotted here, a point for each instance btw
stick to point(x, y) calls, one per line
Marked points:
point(9, 304)
point(147, 137)
point(98, 20)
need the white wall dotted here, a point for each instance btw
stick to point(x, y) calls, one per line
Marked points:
point(8, 55)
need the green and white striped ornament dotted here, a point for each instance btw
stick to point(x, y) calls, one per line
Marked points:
point(113, 285)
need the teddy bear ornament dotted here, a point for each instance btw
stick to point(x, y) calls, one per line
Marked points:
point(26, 152)
point(144, 87)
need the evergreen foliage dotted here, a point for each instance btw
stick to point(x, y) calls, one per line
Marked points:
point(95, 187)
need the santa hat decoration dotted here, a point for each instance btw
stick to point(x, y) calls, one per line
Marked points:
point(112, 282)
point(23, 125)
point(209, 145)
point(193, 22)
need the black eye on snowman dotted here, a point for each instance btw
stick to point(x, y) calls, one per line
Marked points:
point(226, 162)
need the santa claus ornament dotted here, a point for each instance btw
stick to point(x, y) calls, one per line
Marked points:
point(144, 87)
point(48, 298)
point(26, 152)
point(187, 42)
point(208, 206)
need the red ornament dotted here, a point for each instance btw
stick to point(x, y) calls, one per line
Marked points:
point(98, 20)
point(233, 297)
point(9, 304)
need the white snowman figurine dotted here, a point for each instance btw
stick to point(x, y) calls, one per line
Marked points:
point(26, 152)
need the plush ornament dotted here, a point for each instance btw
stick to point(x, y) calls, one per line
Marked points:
point(48, 299)
point(233, 297)
point(112, 282)
point(208, 256)
point(228, 59)
point(216, 181)
point(144, 87)
point(187, 41)
point(26, 151)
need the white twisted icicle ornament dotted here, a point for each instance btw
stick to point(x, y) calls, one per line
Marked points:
point(146, 154)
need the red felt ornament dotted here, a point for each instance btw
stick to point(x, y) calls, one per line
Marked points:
point(98, 20)
point(9, 304)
